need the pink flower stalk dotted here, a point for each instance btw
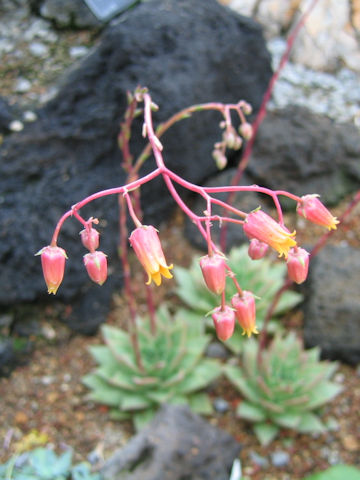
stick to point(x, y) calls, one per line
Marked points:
point(147, 247)
point(261, 226)
point(298, 264)
point(53, 266)
point(257, 249)
point(315, 211)
point(90, 238)
point(96, 266)
point(244, 306)
point(214, 273)
point(224, 322)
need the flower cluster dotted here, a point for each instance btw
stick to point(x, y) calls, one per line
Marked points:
point(263, 231)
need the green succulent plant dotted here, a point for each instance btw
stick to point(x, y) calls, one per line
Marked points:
point(284, 389)
point(174, 369)
point(43, 464)
point(262, 277)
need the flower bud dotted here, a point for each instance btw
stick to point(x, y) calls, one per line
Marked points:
point(313, 210)
point(220, 159)
point(257, 249)
point(53, 266)
point(214, 273)
point(96, 266)
point(90, 238)
point(298, 264)
point(245, 311)
point(246, 130)
point(224, 322)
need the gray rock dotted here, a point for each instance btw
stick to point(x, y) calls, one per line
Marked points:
point(6, 115)
point(66, 13)
point(185, 57)
point(303, 153)
point(259, 460)
point(22, 85)
point(217, 350)
point(177, 445)
point(39, 49)
point(332, 304)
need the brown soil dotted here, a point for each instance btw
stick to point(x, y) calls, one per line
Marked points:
point(47, 394)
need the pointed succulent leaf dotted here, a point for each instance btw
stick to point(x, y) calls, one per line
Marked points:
point(201, 376)
point(236, 377)
point(337, 472)
point(101, 391)
point(324, 392)
point(310, 423)
point(133, 401)
point(200, 403)
point(265, 432)
point(250, 412)
point(287, 419)
point(116, 414)
point(143, 418)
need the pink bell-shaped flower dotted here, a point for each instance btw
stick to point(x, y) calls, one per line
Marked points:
point(257, 249)
point(261, 226)
point(315, 211)
point(96, 266)
point(53, 266)
point(224, 322)
point(90, 238)
point(244, 306)
point(214, 272)
point(146, 244)
point(298, 264)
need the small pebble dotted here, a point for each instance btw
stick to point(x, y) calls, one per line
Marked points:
point(38, 49)
point(16, 126)
point(78, 51)
point(22, 85)
point(262, 462)
point(216, 350)
point(29, 116)
point(280, 458)
point(221, 405)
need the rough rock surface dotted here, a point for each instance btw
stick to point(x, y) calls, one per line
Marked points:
point(303, 153)
point(192, 52)
point(177, 445)
point(332, 304)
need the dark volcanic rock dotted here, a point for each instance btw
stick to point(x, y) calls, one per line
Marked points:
point(177, 445)
point(299, 151)
point(332, 304)
point(186, 52)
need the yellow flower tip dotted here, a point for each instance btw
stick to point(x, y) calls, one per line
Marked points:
point(53, 289)
point(333, 223)
point(249, 331)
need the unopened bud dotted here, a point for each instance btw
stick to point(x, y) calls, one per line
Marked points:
point(220, 159)
point(53, 266)
point(257, 249)
point(246, 130)
point(298, 264)
point(214, 272)
point(311, 208)
point(224, 322)
point(244, 306)
point(90, 238)
point(96, 266)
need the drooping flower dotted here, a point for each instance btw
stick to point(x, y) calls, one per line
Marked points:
point(53, 266)
point(257, 249)
point(298, 264)
point(147, 247)
point(90, 238)
point(315, 211)
point(96, 266)
point(214, 273)
point(245, 311)
point(224, 322)
point(261, 226)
